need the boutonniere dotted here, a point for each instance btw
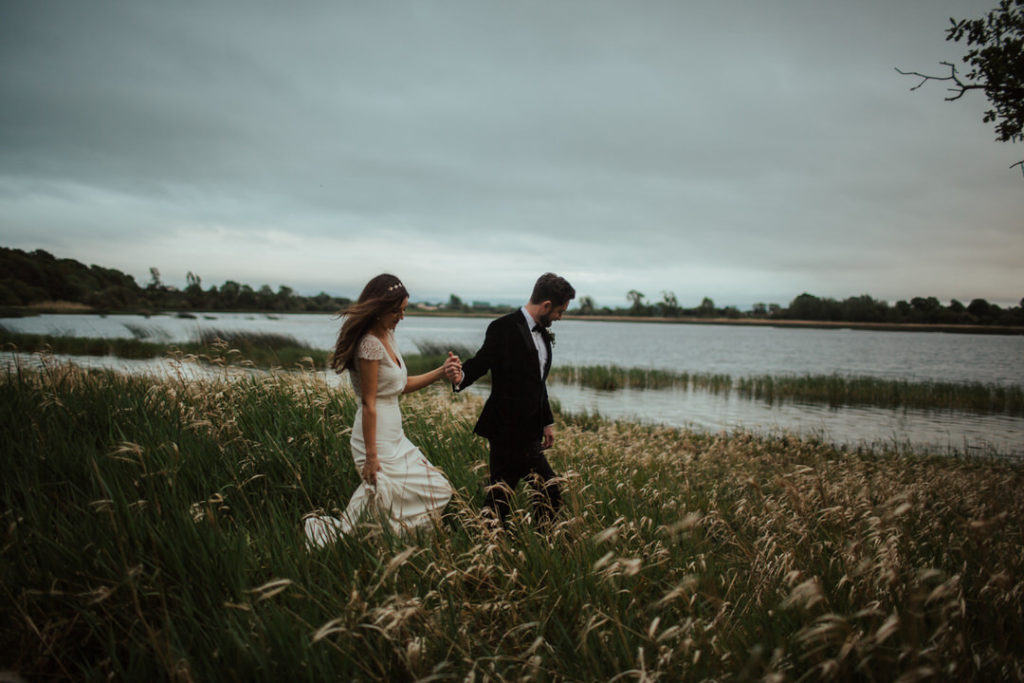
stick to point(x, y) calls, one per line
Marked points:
point(548, 334)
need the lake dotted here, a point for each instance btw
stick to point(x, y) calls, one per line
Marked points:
point(735, 350)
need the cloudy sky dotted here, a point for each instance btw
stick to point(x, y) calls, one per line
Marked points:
point(745, 151)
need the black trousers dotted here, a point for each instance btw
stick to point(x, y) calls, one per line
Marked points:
point(511, 462)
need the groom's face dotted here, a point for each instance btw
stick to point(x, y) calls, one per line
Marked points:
point(550, 312)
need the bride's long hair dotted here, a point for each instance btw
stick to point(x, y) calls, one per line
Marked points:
point(382, 294)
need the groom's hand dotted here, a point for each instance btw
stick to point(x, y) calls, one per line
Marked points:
point(453, 368)
point(549, 438)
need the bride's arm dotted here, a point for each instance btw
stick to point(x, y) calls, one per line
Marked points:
point(417, 382)
point(368, 383)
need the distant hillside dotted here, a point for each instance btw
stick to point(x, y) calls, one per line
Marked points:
point(36, 277)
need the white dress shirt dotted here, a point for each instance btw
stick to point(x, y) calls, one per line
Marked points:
point(538, 340)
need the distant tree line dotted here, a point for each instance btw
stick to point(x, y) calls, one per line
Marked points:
point(863, 309)
point(921, 310)
point(455, 304)
point(34, 277)
point(28, 278)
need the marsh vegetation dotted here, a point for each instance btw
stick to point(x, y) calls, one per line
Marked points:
point(152, 530)
point(833, 390)
point(273, 350)
point(254, 349)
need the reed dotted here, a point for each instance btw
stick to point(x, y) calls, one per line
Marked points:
point(245, 340)
point(833, 390)
point(613, 377)
point(439, 348)
point(146, 332)
point(213, 346)
point(152, 530)
point(433, 354)
point(252, 349)
point(134, 348)
point(836, 390)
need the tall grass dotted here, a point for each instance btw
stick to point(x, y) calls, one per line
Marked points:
point(441, 349)
point(613, 377)
point(152, 530)
point(144, 332)
point(134, 348)
point(245, 340)
point(216, 346)
point(258, 349)
point(432, 354)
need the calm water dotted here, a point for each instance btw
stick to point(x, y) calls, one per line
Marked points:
point(737, 351)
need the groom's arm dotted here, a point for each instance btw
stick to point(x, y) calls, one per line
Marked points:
point(549, 418)
point(478, 366)
point(548, 439)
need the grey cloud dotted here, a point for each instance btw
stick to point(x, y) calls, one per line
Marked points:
point(752, 136)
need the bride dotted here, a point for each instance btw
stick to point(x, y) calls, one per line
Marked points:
point(396, 477)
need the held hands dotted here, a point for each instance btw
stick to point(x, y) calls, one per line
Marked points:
point(453, 368)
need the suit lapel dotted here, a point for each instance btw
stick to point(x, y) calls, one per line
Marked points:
point(547, 364)
point(531, 348)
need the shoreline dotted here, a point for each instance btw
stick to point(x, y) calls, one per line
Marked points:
point(1011, 330)
point(764, 322)
point(816, 324)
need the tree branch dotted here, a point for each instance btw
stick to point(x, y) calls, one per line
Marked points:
point(958, 91)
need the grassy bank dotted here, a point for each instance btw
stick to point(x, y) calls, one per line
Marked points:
point(152, 530)
point(256, 349)
point(213, 346)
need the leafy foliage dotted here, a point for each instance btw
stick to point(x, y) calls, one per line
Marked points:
point(996, 61)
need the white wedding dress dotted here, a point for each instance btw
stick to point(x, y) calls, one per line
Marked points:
point(409, 489)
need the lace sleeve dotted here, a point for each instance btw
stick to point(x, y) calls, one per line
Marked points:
point(370, 348)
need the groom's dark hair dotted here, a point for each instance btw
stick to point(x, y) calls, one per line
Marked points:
point(553, 288)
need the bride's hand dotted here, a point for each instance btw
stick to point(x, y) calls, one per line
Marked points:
point(452, 367)
point(370, 469)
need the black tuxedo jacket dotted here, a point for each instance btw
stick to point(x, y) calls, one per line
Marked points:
point(518, 408)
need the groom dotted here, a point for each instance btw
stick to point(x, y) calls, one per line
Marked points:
point(516, 418)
